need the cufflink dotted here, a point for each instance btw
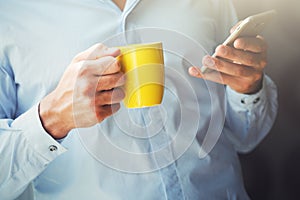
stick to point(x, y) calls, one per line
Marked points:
point(52, 148)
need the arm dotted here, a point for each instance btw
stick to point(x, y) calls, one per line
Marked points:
point(82, 98)
point(251, 96)
point(250, 117)
point(24, 145)
point(88, 92)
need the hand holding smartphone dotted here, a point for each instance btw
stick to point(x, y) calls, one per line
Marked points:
point(251, 26)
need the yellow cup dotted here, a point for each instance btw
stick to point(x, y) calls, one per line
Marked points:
point(143, 65)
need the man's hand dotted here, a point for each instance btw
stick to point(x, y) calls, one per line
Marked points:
point(88, 92)
point(240, 67)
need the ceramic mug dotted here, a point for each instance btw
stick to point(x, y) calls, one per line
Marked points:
point(143, 66)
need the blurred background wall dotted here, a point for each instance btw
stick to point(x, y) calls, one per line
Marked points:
point(272, 170)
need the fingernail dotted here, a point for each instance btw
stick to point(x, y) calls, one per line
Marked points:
point(208, 61)
point(112, 50)
point(194, 71)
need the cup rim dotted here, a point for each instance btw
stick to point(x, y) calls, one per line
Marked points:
point(137, 46)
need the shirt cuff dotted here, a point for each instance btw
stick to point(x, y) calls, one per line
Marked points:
point(246, 101)
point(30, 125)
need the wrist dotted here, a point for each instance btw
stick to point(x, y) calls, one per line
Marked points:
point(256, 86)
point(52, 119)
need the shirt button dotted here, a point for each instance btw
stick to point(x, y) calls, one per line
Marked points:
point(243, 101)
point(52, 148)
point(256, 100)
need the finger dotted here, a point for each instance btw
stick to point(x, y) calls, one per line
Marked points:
point(102, 66)
point(229, 68)
point(252, 44)
point(109, 97)
point(96, 51)
point(195, 72)
point(246, 85)
point(250, 59)
point(212, 75)
point(219, 77)
point(105, 111)
point(108, 82)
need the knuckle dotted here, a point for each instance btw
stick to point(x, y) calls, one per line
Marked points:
point(83, 68)
point(263, 63)
point(224, 50)
point(257, 77)
point(95, 51)
point(77, 57)
point(118, 65)
point(85, 88)
point(106, 97)
point(229, 52)
point(109, 82)
point(253, 61)
point(240, 71)
point(114, 61)
point(249, 82)
point(218, 64)
point(114, 82)
point(97, 101)
point(104, 112)
point(253, 79)
point(100, 115)
point(110, 62)
point(119, 80)
point(102, 84)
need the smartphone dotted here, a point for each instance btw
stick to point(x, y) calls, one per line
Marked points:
point(251, 26)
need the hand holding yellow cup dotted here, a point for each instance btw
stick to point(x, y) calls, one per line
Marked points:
point(143, 65)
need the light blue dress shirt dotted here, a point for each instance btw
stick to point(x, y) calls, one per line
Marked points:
point(186, 148)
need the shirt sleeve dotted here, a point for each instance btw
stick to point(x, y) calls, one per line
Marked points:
point(250, 117)
point(25, 147)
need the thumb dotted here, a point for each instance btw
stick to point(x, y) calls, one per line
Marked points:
point(96, 51)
